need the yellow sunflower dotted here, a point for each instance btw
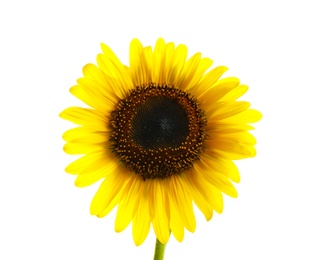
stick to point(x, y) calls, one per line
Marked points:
point(161, 134)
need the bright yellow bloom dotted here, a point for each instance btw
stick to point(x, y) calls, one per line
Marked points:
point(161, 134)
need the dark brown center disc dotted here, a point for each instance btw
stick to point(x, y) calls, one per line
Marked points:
point(158, 131)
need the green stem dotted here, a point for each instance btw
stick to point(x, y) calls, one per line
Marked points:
point(159, 251)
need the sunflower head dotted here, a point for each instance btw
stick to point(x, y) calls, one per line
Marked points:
point(155, 128)
point(161, 134)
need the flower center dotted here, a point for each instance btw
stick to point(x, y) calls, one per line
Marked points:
point(157, 131)
point(159, 123)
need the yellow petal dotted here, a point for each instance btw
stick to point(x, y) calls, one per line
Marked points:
point(235, 93)
point(247, 116)
point(159, 209)
point(100, 93)
point(82, 148)
point(189, 71)
point(169, 59)
point(128, 204)
point(110, 54)
point(220, 89)
point(141, 220)
point(184, 200)
point(158, 62)
point(181, 211)
point(85, 135)
point(95, 74)
point(92, 72)
point(211, 194)
point(217, 179)
point(89, 98)
point(222, 110)
point(85, 116)
point(208, 80)
point(217, 127)
point(97, 170)
point(178, 63)
point(204, 64)
point(77, 166)
point(239, 137)
point(109, 192)
point(138, 63)
point(220, 164)
point(117, 76)
point(232, 149)
point(149, 60)
point(199, 199)
point(176, 223)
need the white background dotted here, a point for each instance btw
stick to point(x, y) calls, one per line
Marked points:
point(43, 47)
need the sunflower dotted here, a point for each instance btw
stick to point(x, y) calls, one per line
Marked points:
point(161, 134)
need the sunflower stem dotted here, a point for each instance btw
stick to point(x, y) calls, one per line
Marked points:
point(159, 250)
